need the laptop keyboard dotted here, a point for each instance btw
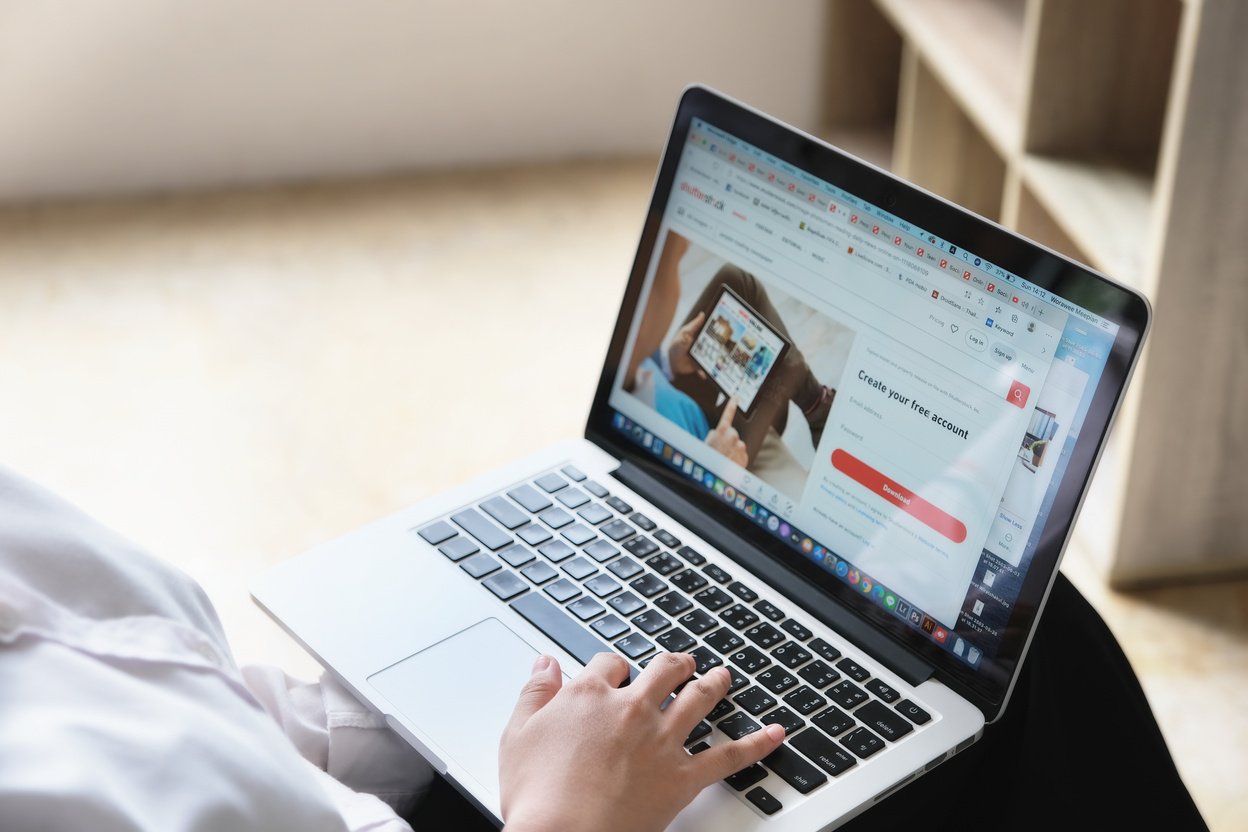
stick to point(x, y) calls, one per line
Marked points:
point(593, 573)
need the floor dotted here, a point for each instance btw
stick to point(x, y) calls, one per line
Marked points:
point(231, 378)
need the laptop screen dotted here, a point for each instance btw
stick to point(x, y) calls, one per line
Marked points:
point(892, 408)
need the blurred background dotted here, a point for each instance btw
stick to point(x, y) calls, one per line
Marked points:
point(272, 269)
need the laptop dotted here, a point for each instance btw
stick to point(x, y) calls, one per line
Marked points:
point(841, 436)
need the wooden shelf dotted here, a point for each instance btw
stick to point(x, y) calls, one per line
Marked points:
point(872, 142)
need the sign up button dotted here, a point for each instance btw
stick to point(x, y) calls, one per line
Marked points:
point(900, 496)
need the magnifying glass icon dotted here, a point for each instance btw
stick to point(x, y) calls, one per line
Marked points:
point(1018, 394)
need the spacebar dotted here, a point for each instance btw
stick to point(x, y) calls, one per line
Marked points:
point(559, 627)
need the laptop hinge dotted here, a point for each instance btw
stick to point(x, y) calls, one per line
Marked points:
point(819, 604)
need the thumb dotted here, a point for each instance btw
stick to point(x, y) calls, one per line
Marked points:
point(539, 690)
point(729, 758)
point(730, 413)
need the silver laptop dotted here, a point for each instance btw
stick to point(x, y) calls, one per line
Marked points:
point(841, 436)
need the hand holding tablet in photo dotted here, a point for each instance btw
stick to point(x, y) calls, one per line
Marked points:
point(724, 437)
point(679, 351)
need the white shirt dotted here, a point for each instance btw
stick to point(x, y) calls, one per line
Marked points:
point(121, 707)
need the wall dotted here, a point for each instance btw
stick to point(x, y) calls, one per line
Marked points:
point(148, 95)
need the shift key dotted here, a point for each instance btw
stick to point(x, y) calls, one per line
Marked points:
point(790, 767)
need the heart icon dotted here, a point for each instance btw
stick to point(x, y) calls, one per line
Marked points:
point(953, 327)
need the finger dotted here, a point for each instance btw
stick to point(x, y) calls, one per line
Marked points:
point(697, 698)
point(730, 413)
point(719, 761)
point(662, 675)
point(609, 668)
point(543, 684)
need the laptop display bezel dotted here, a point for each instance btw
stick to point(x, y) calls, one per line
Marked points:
point(988, 687)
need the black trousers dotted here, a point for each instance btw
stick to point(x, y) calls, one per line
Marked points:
point(1077, 748)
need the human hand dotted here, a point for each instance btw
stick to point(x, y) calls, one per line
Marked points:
point(678, 351)
point(594, 756)
point(724, 437)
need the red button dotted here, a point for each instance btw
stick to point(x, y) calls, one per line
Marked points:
point(1018, 394)
point(900, 496)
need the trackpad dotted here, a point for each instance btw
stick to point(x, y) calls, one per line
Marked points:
point(461, 691)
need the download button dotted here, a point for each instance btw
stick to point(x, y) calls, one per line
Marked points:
point(900, 496)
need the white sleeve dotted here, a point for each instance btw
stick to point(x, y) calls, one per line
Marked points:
point(339, 735)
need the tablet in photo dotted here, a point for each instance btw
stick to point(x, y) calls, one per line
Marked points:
point(737, 348)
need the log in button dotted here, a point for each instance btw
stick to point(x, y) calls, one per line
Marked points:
point(900, 496)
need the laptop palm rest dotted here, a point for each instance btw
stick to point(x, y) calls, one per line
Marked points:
point(450, 691)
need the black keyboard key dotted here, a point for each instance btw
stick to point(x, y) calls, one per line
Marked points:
point(556, 518)
point(882, 690)
point(713, 598)
point(650, 622)
point(550, 483)
point(847, 695)
point(698, 621)
point(805, 700)
point(716, 574)
point(765, 636)
point(617, 529)
point(643, 522)
point(668, 539)
point(786, 719)
point(476, 524)
point(769, 611)
point(819, 674)
point(676, 640)
point(586, 608)
point(556, 550)
point(691, 557)
point(517, 556)
point(595, 489)
point(755, 700)
point(664, 564)
point(579, 568)
point(824, 649)
point(689, 581)
point(609, 627)
point(833, 721)
point(722, 708)
point(776, 679)
point(793, 769)
point(540, 572)
point(862, 742)
point(738, 725)
point(749, 660)
point(459, 547)
point(626, 603)
point(534, 535)
point(558, 627)
point(739, 616)
point(578, 534)
point(792, 654)
point(563, 590)
point(823, 751)
point(641, 546)
point(619, 505)
point(648, 585)
point(438, 532)
point(889, 724)
point(854, 670)
point(765, 801)
point(723, 640)
point(529, 497)
point(506, 585)
point(912, 712)
point(743, 592)
point(624, 568)
point(739, 679)
point(478, 566)
point(601, 551)
point(746, 777)
point(796, 630)
point(573, 498)
point(505, 512)
point(673, 603)
point(706, 660)
point(634, 646)
point(602, 585)
point(699, 731)
point(698, 748)
point(594, 514)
